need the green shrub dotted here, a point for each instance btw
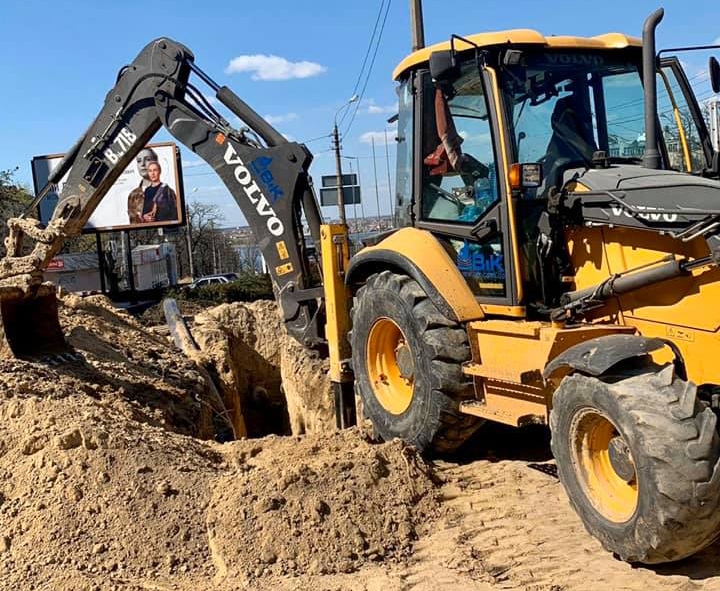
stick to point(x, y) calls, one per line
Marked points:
point(248, 288)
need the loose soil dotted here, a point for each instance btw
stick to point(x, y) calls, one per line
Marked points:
point(105, 484)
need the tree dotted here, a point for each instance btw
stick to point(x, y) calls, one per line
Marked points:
point(211, 249)
point(14, 200)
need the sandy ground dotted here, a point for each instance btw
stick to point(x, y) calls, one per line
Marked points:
point(104, 484)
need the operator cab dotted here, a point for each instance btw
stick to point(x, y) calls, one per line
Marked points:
point(472, 110)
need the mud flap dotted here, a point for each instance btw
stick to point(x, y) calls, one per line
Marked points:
point(30, 327)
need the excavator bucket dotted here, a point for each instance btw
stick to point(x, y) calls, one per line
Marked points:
point(30, 327)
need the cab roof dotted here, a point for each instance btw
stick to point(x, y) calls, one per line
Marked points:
point(518, 37)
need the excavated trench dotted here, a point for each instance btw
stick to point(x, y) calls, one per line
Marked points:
point(268, 382)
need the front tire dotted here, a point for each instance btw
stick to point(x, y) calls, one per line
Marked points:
point(640, 461)
point(407, 360)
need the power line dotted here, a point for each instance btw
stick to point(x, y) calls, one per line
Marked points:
point(370, 68)
point(367, 54)
point(699, 77)
point(315, 139)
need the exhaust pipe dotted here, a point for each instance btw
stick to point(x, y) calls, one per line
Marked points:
point(651, 157)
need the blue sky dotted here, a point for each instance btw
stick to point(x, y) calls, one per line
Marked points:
point(59, 58)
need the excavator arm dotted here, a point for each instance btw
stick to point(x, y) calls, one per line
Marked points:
point(266, 174)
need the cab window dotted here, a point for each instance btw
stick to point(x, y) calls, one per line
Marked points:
point(404, 177)
point(459, 181)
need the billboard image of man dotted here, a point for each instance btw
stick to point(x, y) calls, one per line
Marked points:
point(160, 203)
point(152, 200)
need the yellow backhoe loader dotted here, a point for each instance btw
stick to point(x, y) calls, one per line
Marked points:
point(554, 261)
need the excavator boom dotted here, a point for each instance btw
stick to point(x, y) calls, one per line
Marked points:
point(266, 174)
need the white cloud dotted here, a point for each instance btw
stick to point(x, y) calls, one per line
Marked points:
point(378, 136)
point(480, 138)
point(273, 67)
point(284, 118)
point(716, 42)
point(374, 109)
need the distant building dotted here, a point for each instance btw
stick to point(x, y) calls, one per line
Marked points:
point(77, 272)
point(154, 266)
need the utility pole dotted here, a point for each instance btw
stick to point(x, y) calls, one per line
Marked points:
point(338, 163)
point(377, 192)
point(188, 235)
point(387, 164)
point(214, 252)
point(338, 166)
point(416, 23)
point(362, 206)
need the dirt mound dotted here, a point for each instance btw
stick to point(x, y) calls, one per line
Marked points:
point(97, 473)
point(123, 360)
point(89, 492)
point(89, 495)
point(317, 505)
point(103, 487)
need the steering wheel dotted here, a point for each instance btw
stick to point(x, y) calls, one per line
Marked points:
point(447, 195)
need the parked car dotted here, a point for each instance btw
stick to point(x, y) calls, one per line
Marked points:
point(213, 279)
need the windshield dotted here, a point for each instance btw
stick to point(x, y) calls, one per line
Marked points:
point(565, 105)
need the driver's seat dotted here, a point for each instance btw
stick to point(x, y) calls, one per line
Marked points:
point(572, 137)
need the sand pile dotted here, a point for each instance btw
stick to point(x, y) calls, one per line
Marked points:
point(88, 492)
point(317, 505)
point(103, 486)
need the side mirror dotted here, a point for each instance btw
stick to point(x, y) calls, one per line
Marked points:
point(443, 66)
point(714, 68)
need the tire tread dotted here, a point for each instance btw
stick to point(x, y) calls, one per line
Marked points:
point(445, 344)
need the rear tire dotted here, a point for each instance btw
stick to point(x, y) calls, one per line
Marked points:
point(407, 360)
point(639, 460)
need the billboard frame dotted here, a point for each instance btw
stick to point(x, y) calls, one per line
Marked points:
point(179, 195)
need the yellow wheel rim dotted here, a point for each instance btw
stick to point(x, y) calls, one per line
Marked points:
point(392, 384)
point(608, 477)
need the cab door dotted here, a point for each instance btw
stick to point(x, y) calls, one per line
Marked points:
point(687, 142)
point(461, 191)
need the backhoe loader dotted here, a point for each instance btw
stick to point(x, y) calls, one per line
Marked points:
point(554, 261)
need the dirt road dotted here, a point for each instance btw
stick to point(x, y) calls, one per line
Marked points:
point(509, 526)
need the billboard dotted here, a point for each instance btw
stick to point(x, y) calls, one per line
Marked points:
point(147, 194)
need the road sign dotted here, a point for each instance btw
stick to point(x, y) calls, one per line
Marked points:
point(331, 180)
point(351, 195)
